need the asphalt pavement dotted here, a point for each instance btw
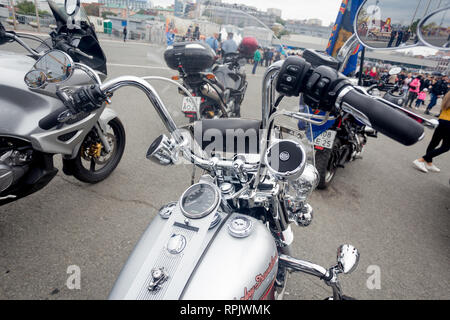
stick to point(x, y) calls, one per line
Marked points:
point(398, 217)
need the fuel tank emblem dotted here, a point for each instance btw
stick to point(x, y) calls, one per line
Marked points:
point(176, 244)
point(159, 276)
point(166, 211)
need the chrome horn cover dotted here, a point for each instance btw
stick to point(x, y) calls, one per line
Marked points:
point(162, 151)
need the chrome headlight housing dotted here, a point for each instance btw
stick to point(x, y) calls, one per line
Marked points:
point(300, 189)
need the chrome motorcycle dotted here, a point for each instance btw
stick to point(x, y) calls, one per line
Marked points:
point(229, 236)
point(34, 127)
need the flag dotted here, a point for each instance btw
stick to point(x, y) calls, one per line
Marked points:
point(342, 30)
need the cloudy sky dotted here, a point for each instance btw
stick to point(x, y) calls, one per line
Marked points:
point(326, 10)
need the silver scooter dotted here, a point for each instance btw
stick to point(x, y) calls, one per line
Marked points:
point(33, 126)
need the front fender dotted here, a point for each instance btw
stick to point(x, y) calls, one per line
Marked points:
point(107, 115)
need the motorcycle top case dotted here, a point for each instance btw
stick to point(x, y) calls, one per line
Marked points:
point(194, 57)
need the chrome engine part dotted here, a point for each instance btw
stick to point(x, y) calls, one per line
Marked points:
point(13, 163)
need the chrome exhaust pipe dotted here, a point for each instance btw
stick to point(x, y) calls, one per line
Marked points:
point(208, 91)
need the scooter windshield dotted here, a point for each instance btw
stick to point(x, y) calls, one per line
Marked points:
point(61, 17)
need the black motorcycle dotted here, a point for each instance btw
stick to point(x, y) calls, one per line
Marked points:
point(342, 138)
point(218, 88)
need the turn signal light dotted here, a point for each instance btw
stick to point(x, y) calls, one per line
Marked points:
point(210, 76)
point(175, 78)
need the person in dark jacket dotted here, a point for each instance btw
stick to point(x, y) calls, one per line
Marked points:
point(439, 88)
point(426, 83)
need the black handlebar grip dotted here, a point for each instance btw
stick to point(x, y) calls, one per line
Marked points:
point(61, 45)
point(385, 119)
point(51, 120)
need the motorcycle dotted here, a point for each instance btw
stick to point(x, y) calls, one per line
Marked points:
point(229, 235)
point(91, 144)
point(393, 92)
point(347, 135)
point(342, 138)
point(218, 93)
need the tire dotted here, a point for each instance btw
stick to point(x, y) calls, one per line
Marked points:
point(95, 176)
point(325, 165)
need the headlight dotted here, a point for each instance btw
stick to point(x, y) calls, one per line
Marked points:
point(299, 190)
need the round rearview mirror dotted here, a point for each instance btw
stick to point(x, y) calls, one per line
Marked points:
point(72, 7)
point(35, 79)
point(434, 30)
point(395, 71)
point(389, 24)
point(57, 66)
point(347, 258)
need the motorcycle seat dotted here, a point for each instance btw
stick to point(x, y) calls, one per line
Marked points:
point(228, 135)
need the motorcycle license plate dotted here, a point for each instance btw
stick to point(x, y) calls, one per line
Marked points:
point(326, 139)
point(188, 105)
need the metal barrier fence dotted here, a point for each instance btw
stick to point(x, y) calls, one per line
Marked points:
point(150, 34)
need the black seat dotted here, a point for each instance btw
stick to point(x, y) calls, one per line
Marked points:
point(228, 135)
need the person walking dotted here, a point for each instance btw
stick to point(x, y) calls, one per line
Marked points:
point(406, 82)
point(229, 45)
point(414, 89)
point(438, 89)
point(421, 98)
point(256, 60)
point(125, 33)
point(213, 42)
point(196, 34)
point(277, 56)
point(441, 134)
point(269, 57)
point(266, 57)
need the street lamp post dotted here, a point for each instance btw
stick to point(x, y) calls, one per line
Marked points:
point(37, 15)
point(13, 14)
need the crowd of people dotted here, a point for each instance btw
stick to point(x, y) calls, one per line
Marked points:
point(262, 57)
point(423, 89)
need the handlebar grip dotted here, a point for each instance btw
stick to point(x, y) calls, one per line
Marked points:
point(51, 120)
point(388, 121)
point(65, 47)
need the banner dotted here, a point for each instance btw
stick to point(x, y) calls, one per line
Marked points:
point(342, 30)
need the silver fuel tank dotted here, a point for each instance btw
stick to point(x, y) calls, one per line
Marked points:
point(209, 264)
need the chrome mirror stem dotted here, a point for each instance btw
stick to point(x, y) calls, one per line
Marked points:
point(346, 50)
point(89, 71)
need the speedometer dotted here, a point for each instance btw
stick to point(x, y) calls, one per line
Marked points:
point(199, 200)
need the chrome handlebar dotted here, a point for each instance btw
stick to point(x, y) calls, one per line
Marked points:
point(23, 44)
point(126, 81)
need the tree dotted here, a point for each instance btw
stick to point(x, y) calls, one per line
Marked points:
point(26, 7)
point(92, 10)
point(281, 21)
point(283, 32)
point(108, 13)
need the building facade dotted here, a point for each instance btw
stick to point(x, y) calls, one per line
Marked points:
point(275, 12)
point(303, 28)
point(239, 15)
point(135, 5)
